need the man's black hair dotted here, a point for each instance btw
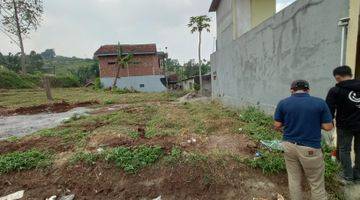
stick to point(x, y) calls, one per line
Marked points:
point(342, 71)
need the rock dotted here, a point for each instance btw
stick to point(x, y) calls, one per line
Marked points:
point(68, 197)
point(14, 196)
point(52, 198)
point(158, 198)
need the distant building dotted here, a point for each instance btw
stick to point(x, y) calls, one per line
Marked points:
point(189, 84)
point(144, 72)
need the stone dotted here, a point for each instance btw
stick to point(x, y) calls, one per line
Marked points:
point(14, 196)
point(68, 197)
point(52, 198)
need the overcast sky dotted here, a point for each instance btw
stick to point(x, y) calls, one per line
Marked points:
point(79, 27)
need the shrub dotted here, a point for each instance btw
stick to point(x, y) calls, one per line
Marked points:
point(132, 160)
point(65, 81)
point(18, 161)
point(12, 80)
point(97, 84)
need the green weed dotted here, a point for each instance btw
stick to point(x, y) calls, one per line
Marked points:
point(18, 161)
point(132, 160)
point(85, 157)
point(174, 156)
point(13, 139)
point(269, 162)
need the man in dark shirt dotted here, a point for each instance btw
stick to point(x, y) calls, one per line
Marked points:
point(344, 100)
point(302, 117)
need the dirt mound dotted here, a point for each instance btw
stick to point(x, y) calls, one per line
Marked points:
point(54, 108)
point(104, 181)
point(41, 143)
point(235, 144)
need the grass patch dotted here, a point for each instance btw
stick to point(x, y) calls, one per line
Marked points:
point(174, 156)
point(269, 162)
point(132, 160)
point(85, 157)
point(18, 161)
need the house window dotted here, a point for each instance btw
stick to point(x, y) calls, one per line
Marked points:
point(111, 63)
point(142, 85)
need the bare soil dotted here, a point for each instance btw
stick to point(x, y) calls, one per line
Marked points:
point(54, 108)
point(104, 181)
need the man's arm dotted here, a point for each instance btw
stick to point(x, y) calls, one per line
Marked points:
point(326, 118)
point(331, 101)
point(278, 117)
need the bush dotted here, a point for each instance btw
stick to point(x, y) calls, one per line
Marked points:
point(12, 80)
point(97, 84)
point(18, 161)
point(64, 81)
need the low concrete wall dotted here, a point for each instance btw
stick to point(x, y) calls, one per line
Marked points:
point(300, 42)
point(150, 83)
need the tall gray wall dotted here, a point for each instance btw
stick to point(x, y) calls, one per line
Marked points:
point(300, 42)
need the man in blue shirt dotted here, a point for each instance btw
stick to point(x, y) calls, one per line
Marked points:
point(302, 117)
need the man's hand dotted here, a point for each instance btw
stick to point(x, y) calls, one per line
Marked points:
point(327, 126)
point(278, 125)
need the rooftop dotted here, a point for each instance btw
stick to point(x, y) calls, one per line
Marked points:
point(136, 49)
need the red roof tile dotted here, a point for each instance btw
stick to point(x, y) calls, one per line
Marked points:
point(126, 48)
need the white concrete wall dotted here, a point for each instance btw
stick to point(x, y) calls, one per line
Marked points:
point(300, 42)
point(242, 17)
point(151, 83)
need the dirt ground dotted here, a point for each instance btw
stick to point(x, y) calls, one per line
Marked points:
point(169, 124)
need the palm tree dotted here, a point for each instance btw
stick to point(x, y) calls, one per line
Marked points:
point(122, 61)
point(198, 24)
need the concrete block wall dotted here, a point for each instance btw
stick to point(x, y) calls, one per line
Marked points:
point(150, 83)
point(300, 42)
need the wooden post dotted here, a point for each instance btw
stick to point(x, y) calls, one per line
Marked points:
point(46, 84)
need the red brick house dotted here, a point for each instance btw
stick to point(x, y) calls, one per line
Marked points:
point(144, 72)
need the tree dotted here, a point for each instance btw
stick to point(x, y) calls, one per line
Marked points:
point(198, 24)
point(122, 61)
point(11, 62)
point(34, 62)
point(19, 17)
point(48, 54)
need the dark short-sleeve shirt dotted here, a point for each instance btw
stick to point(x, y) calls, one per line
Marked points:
point(302, 116)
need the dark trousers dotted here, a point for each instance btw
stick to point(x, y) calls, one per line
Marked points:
point(345, 139)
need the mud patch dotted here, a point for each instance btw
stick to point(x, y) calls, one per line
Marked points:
point(104, 181)
point(232, 143)
point(50, 108)
point(41, 143)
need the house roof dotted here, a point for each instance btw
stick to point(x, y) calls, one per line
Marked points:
point(214, 5)
point(138, 49)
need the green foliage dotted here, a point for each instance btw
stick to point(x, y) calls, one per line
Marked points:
point(48, 54)
point(269, 162)
point(108, 102)
point(97, 84)
point(259, 125)
point(64, 81)
point(64, 65)
point(86, 73)
point(174, 156)
point(13, 139)
point(85, 157)
point(132, 160)
point(123, 91)
point(331, 168)
point(196, 87)
point(18, 161)
point(134, 134)
point(12, 80)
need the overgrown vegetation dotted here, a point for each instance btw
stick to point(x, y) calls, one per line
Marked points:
point(18, 161)
point(132, 160)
